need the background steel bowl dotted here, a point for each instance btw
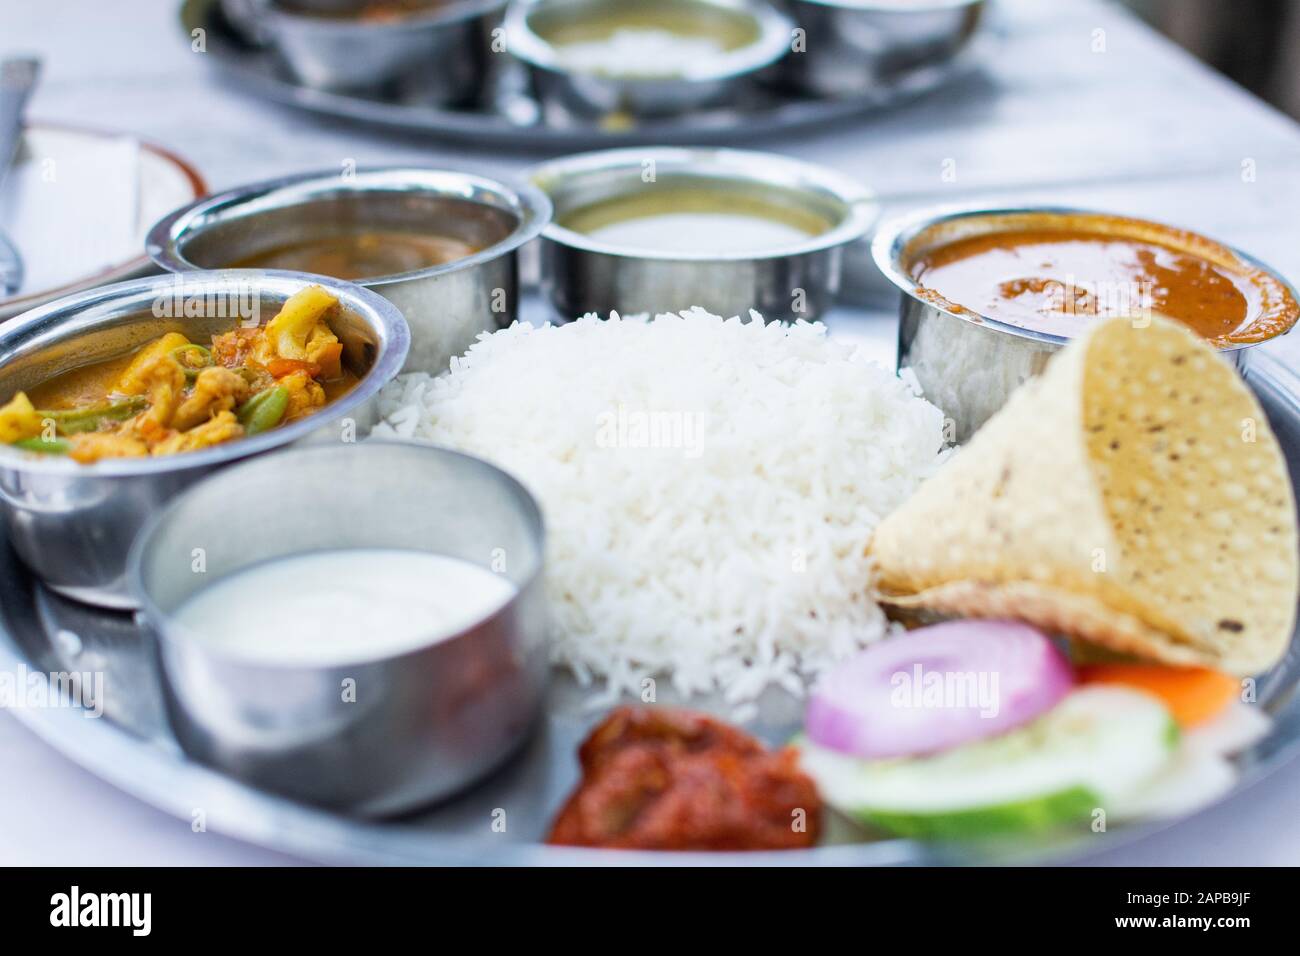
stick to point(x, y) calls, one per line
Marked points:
point(446, 306)
point(245, 18)
point(424, 723)
point(581, 274)
point(560, 85)
point(969, 364)
point(440, 53)
point(852, 47)
point(73, 524)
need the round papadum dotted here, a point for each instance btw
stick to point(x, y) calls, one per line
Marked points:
point(1133, 496)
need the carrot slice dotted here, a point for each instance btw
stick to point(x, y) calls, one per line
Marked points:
point(280, 367)
point(330, 360)
point(1192, 694)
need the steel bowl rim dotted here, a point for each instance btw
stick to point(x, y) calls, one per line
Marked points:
point(160, 620)
point(531, 205)
point(380, 314)
point(772, 44)
point(860, 203)
point(439, 16)
point(892, 236)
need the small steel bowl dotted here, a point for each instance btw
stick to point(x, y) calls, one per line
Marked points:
point(851, 47)
point(73, 524)
point(446, 306)
point(441, 54)
point(969, 364)
point(420, 724)
point(763, 36)
point(581, 274)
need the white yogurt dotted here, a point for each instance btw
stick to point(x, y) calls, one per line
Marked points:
point(339, 606)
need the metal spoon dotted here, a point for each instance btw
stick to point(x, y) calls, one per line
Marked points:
point(17, 79)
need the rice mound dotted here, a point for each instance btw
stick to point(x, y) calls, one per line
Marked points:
point(709, 487)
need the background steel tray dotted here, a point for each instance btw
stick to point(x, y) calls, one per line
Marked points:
point(510, 116)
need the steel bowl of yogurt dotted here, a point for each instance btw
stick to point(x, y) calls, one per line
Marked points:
point(356, 626)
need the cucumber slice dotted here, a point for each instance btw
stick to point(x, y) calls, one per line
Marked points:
point(1100, 743)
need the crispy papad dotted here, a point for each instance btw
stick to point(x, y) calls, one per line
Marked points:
point(1133, 496)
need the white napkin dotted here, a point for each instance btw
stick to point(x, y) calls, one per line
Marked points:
point(71, 205)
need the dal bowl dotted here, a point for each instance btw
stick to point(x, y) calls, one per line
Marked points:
point(73, 524)
point(385, 229)
point(626, 59)
point(969, 361)
point(660, 230)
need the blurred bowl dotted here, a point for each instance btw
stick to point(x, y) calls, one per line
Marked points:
point(752, 34)
point(424, 722)
point(446, 305)
point(245, 18)
point(791, 279)
point(73, 524)
point(441, 51)
point(851, 47)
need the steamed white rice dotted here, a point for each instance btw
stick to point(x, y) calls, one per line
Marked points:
point(709, 487)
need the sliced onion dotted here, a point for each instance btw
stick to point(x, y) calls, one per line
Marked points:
point(938, 687)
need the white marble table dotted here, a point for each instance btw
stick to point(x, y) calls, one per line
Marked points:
point(1081, 105)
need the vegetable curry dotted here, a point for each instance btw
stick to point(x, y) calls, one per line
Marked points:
point(1058, 272)
point(174, 395)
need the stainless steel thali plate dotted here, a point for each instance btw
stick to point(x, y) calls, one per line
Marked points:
point(132, 747)
point(510, 116)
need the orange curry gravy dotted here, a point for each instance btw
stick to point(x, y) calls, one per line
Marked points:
point(363, 255)
point(1057, 273)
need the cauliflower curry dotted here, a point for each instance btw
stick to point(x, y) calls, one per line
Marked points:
point(174, 395)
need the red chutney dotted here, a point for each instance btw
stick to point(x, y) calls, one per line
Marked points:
point(657, 778)
point(1058, 272)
